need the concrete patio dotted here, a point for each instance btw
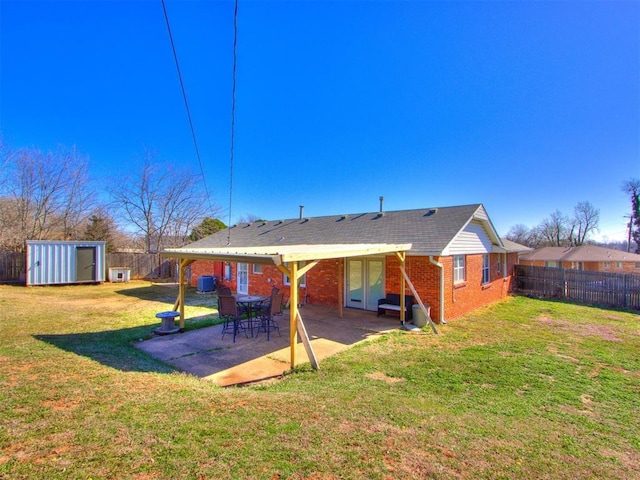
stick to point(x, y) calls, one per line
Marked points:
point(205, 354)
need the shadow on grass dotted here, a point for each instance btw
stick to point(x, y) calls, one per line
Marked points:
point(169, 293)
point(116, 349)
point(155, 292)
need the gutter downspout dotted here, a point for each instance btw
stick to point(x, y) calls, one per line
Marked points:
point(441, 320)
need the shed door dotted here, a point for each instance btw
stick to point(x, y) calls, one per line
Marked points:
point(85, 264)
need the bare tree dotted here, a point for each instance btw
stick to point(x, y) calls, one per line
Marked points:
point(632, 188)
point(555, 229)
point(519, 233)
point(586, 220)
point(45, 195)
point(162, 203)
point(249, 218)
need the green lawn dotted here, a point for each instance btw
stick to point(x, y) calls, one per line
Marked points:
point(523, 389)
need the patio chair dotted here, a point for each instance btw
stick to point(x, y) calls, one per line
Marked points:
point(228, 310)
point(223, 290)
point(267, 318)
point(263, 307)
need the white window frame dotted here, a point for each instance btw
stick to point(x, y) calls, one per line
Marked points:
point(486, 268)
point(459, 269)
point(287, 281)
point(243, 269)
point(227, 272)
point(257, 268)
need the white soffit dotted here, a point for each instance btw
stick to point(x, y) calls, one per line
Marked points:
point(278, 254)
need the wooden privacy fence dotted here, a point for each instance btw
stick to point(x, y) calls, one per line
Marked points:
point(141, 265)
point(12, 266)
point(620, 290)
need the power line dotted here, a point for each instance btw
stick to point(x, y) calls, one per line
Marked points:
point(233, 114)
point(186, 104)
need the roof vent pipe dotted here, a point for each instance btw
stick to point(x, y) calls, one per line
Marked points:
point(301, 211)
point(381, 200)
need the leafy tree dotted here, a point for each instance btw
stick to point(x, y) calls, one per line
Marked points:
point(632, 188)
point(207, 227)
point(101, 227)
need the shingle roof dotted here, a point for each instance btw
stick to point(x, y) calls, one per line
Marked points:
point(511, 246)
point(583, 253)
point(429, 230)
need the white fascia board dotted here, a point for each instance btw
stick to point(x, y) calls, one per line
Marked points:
point(276, 255)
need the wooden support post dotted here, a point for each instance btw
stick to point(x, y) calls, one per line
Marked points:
point(405, 276)
point(403, 306)
point(293, 311)
point(340, 289)
point(307, 343)
point(182, 288)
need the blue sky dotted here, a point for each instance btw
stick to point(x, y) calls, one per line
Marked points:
point(526, 107)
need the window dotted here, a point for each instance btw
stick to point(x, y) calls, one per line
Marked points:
point(458, 269)
point(551, 263)
point(637, 264)
point(227, 272)
point(607, 264)
point(257, 268)
point(303, 279)
point(618, 264)
point(486, 263)
point(499, 266)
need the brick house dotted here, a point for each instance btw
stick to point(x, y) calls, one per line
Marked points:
point(452, 256)
point(584, 257)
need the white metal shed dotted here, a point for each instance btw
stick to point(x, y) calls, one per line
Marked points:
point(58, 262)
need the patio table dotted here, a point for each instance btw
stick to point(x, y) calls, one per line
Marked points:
point(250, 301)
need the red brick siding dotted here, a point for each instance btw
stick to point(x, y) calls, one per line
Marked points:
point(466, 296)
point(424, 276)
point(321, 285)
point(202, 268)
point(325, 282)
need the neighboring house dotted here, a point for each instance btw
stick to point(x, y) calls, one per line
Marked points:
point(456, 260)
point(585, 257)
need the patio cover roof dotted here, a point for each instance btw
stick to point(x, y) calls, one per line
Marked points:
point(279, 254)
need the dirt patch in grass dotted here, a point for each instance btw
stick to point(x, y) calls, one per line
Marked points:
point(629, 459)
point(384, 377)
point(589, 330)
